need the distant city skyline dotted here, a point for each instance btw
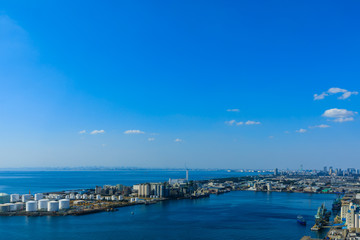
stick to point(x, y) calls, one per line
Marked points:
point(206, 84)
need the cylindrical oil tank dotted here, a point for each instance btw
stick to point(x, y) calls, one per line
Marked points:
point(11, 207)
point(53, 206)
point(14, 198)
point(4, 198)
point(43, 204)
point(25, 197)
point(64, 204)
point(4, 208)
point(19, 206)
point(38, 196)
point(31, 206)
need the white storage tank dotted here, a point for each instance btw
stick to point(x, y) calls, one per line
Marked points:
point(14, 198)
point(121, 198)
point(64, 204)
point(43, 204)
point(25, 197)
point(11, 207)
point(38, 196)
point(19, 206)
point(53, 206)
point(72, 196)
point(4, 198)
point(98, 197)
point(31, 206)
point(4, 208)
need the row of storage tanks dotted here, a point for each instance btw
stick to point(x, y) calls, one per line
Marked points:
point(6, 198)
point(33, 206)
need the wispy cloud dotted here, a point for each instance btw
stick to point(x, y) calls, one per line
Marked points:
point(133, 132)
point(233, 110)
point(344, 93)
point(82, 132)
point(320, 126)
point(151, 139)
point(235, 123)
point(339, 115)
point(97, 132)
point(178, 140)
point(301, 130)
point(252, 122)
point(347, 119)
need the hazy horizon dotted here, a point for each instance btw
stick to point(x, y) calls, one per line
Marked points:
point(205, 84)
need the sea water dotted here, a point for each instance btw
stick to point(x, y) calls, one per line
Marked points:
point(235, 215)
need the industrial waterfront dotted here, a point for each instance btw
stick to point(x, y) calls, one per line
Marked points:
point(235, 215)
point(113, 198)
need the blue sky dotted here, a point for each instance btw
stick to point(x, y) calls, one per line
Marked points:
point(150, 83)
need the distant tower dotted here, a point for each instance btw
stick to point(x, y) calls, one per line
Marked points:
point(187, 174)
point(276, 172)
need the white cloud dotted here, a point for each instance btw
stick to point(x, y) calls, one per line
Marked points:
point(231, 122)
point(249, 122)
point(252, 123)
point(271, 137)
point(287, 132)
point(233, 110)
point(178, 140)
point(320, 96)
point(151, 139)
point(133, 132)
point(97, 132)
point(338, 113)
point(336, 90)
point(82, 132)
point(301, 130)
point(344, 93)
point(340, 120)
point(320, 126)
point(347, 95)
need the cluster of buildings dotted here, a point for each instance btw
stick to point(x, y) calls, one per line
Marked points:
point(350, 211)
point(101, 197)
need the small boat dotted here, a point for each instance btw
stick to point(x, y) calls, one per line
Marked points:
point(301, 220)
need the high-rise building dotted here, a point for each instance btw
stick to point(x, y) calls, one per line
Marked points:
point(276, 172)
point(325, 169)
point(144, 190)
point(98, 190)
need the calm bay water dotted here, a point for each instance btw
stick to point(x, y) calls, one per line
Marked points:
point(236, 215)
